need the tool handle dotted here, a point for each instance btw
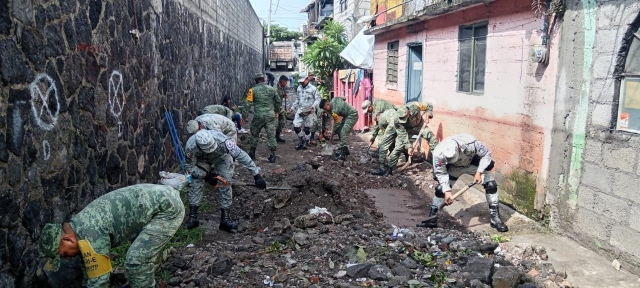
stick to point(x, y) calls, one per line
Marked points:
point(459, 193)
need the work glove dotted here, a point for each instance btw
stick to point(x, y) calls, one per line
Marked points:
point(211, 179)
point(260, 183)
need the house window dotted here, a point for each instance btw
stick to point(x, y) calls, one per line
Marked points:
point(629, 104)
point(472, 41)
point(343, 5)
point(392, 61)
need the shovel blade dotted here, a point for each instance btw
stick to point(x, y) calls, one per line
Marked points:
point(327, 149)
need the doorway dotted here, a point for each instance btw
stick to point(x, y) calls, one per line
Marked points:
point(414, 72)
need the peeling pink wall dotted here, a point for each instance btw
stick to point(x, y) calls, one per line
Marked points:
point(514, 115)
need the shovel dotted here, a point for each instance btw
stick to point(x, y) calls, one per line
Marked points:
point(226, 182)
point(365, 158)
point(452, 198)
point(415, 145)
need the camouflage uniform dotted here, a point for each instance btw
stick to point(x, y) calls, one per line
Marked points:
point(390, 124)
point(266, 103)
point(307, 101)
point(282, 120)
point(147, 214)
point(464, 154)
point(217, 109)
point(379, 106)
point(219, 123)
point(199, 163)
point(349, 115)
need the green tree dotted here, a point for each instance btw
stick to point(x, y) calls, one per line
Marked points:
point(323, 56)
point(280, 33)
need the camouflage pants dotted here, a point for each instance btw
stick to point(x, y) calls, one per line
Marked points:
point(344, 129)
point(269, 124)
point(224, 167)
point(141, 261)
point(389, 140)
point(282, 121)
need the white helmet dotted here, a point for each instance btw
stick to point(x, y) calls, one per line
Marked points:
point(448, 149)
point(205, 141)
point(193, 126)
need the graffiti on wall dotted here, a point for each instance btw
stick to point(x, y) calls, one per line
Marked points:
point(45, 104)
point(117, 99)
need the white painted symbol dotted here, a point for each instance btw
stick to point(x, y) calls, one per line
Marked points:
point(46, 150)
point(116, 94)
point(42, 113)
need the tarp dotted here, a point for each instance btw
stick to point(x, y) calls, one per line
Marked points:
point(359, 52)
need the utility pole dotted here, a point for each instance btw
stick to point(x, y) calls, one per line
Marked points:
point(269, 37)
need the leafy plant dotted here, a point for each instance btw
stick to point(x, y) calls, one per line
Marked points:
point(275, 247)
point(439, 278)
point(164, 274)
point(424, 258)
point(323, 56)
point(499, 238)
point(119, 254)
point(281, 33)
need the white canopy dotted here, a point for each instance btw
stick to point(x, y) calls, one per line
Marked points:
point(359, 52)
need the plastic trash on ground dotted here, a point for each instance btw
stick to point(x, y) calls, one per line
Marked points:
point(323, 214)
point(175, 180)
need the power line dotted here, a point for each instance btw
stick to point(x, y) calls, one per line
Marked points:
point(274, 12)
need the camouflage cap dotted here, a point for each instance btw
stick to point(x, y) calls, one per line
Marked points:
point(403, 114)
point(258, 76)
point(49, 245)
point(365, 105)
point(430, 109)
point(193, 126)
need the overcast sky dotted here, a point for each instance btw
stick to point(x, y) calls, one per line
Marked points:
point(286, 13)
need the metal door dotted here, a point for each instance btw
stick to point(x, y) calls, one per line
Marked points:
point(414, 72)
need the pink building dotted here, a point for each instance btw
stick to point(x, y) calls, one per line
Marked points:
point(475, 61)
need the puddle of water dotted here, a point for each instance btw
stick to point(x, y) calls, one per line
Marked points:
point(397, 205)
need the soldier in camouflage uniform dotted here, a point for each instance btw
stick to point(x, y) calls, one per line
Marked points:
point(282, 120)
point(213, 122)
point(408, 121)
point(338, 107)
point(151, 214)
point(464, 154)
point(267, 106)
point(374, 109)
point(209, 148)
point(217, 109)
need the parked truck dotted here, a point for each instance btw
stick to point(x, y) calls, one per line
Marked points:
point(282, 56)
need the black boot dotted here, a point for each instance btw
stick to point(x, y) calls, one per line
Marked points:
point(343, 154)
point(300, 143)
point(225, 221)
point(435, 206)
point(380, 171)
point(388, 172)
point(305, 144)
point(192, 222)
point(491, 190)
point(272, 157)
point(279, 139)
point(252, 154)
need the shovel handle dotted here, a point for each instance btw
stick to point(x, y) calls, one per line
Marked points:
point(452, 198)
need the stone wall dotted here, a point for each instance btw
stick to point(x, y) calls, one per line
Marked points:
point(593, 179)
point(84, 87)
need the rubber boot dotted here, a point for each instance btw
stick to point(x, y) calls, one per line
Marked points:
point(279, 139)
point(380, 171)
point(300, 143)
point(494, 209)
point(252, 153)
point(343, 154)
point(435, 206)
point(225, 221)
point(388, 172)
point(272, 157)
point(305, 144)
point(192, 222)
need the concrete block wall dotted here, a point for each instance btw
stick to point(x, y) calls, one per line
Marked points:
point(348, 18)
point(83, 96)
point(514, 114)
point(594, 173)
